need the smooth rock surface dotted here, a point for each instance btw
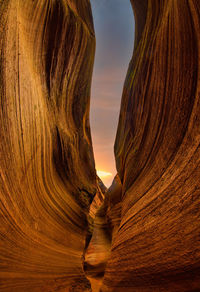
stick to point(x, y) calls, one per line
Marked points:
point(47, 173)
point(157, 149)
point(145, 235)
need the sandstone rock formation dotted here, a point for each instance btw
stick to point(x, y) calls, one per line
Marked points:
point(145, 235)
point(47, 172)
point(157, 149)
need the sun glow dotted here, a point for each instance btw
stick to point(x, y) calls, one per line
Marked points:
point(103, 174)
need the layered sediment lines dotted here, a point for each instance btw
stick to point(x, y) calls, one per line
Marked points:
point(47, 173)
point(145, 234)
point(157, 245)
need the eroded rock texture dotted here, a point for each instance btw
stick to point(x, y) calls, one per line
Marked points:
point(145, 234)
point(47, 173)
point(157, 244)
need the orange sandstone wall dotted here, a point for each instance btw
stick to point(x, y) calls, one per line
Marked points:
point(146, 233)
point(157, 149)
point(47, 173)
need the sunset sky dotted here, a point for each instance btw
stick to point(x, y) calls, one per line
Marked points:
point(114, 28)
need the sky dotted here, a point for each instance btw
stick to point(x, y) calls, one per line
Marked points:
point(114, 29)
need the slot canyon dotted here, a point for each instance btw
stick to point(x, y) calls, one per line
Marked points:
point(61, 229)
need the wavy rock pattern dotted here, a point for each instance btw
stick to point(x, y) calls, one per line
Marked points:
point(146, 230)
point(47, 173)
point(157, 149)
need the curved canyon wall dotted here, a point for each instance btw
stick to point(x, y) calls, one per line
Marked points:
point(146, 232)
point(47, 172)
point(157, 149)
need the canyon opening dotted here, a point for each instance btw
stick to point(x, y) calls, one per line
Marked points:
point(114, 30)
point(61, 229)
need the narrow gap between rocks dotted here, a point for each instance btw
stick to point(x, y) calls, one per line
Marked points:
point(114, 29)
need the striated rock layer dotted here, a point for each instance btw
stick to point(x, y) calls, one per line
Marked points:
point(47, 173)
point(157, 244)
point(145, 234)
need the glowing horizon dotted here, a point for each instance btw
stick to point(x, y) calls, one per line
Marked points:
point(114, 30)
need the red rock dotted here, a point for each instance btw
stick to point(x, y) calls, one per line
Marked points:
point(47, 172)
point(157, 244)
point(146, 226)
